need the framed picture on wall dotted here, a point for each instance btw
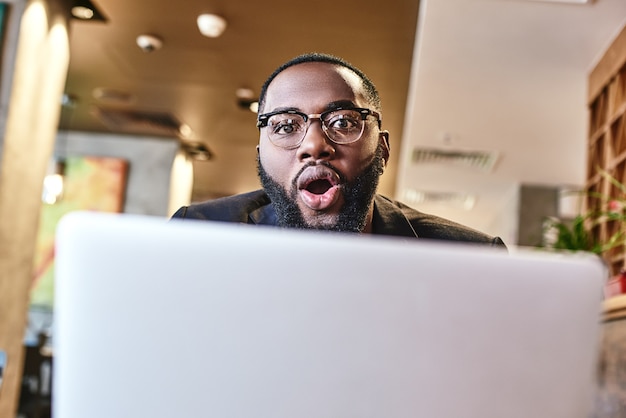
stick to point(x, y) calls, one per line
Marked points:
point(89, 183)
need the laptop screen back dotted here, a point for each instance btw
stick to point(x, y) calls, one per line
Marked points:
point(191, 318)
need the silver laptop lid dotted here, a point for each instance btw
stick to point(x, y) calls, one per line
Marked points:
point(172, 319)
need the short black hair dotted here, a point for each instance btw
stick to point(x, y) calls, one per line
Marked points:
point(370, 90)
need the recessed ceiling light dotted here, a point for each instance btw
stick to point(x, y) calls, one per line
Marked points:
point(211, 25)
point(247, 100)
point(81, 12)
point(86, 10)
point(149, 43)
point(185, 131)
point(249, 104)
point(244, 93)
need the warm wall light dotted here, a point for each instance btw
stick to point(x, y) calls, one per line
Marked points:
point(53, 182)
point(211, 25)
point(181, 182)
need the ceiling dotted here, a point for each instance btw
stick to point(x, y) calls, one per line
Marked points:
point(503, 77)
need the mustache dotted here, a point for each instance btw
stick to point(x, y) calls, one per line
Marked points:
point(342, 177)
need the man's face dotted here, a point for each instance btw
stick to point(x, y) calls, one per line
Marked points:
point(317, 177)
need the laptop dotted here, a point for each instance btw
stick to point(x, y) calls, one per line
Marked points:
point(158, 318)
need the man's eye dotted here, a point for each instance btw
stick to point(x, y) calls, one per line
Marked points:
point(285, 127)
point(343, 123)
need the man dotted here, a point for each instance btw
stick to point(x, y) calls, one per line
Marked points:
point(320, 155)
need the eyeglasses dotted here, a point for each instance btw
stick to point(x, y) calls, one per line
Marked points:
point(287, 128)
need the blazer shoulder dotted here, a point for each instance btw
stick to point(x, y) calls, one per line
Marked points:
point(236, 208)
point(435, 227)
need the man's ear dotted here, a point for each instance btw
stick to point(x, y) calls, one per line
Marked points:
point(384, 137)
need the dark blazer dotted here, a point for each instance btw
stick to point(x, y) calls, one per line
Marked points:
point(390, 218)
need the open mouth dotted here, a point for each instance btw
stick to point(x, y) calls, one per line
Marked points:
point(318, 187)
point(317, 179)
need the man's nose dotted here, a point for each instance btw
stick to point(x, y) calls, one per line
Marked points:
point(316, 144)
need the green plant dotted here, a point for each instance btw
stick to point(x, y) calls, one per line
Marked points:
point(572, 235)
point(577, 235)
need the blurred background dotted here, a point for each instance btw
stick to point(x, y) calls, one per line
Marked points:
point(487, 104)
point(482, 97)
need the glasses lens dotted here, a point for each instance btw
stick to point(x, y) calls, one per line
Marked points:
point(286, 129)
point(344, 126)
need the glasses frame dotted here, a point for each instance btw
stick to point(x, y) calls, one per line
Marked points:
point(263, 120)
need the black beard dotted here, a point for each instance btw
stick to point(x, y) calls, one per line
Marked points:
point(358, 198)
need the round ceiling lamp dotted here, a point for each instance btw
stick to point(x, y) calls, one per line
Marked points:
point(211, 25)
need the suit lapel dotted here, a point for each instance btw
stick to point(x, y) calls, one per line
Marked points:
point(264, 215)
point(389, 219)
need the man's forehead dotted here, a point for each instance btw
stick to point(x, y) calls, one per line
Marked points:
point(316, 80)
